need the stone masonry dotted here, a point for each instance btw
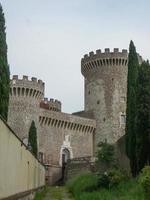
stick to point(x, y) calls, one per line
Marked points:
point(105, 76)
point(63, 136)
point(57, 131)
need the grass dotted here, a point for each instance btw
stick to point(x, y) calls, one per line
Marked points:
point(126, 190)
point(85, 182)
point(41, 195)
point(54, 193)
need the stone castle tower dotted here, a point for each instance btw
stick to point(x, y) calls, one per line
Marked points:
point(25, 98)
point(105, 75)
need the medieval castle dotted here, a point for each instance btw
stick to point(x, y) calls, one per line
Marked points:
point(62, 136)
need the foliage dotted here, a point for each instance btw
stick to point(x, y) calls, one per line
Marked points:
point(32, 139)
point(126, 190)
point(41, 194)
point(133, 66)
point(4, 69)
point(105, 154)
point(145, 181)
point(86, 182)
point(143, 116)
point(111, 178)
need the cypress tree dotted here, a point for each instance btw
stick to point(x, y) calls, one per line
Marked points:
point(143, 117)
point(133, 65)
point(4, 69)
point(32, 139)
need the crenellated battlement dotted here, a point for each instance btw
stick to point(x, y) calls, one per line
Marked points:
point(52, 104)
point(93, 61)
point(26, 87)
point(26, 79)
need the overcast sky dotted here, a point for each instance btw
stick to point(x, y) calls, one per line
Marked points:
point(47, 38)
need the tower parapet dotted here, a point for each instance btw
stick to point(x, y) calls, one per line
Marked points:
point(94, 61)
point(52, 104)
point(26, 88)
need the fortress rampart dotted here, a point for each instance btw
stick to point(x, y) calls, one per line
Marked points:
point(51, 104)
point(67, 121)
point(61, 135)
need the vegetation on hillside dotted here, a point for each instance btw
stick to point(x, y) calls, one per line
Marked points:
point(4, 69)
point(32, 139)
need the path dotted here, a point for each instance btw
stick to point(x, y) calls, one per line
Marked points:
point(57, 193)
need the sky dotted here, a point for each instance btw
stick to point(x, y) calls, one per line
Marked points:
point(47, 39)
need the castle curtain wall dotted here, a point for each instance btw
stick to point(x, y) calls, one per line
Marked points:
point(59, 131)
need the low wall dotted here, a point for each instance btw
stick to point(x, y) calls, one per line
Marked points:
point(20, 172)
point(77, 166)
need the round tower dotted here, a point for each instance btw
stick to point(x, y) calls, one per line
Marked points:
point(24, 104)
point(105, 76)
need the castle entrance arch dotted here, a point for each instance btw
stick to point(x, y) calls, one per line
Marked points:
point(65, 158)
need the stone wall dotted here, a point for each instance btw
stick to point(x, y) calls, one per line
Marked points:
point(59, 131)
point(77, 166)
point(105, 91)
point(20, 172)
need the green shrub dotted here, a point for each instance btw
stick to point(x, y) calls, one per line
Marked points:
point(116, 176)
point(145, 181)
point(126, 190)
point(41, 194)
point(103, 180)
point(111, 178)
point(86, 182)
point(105, 154)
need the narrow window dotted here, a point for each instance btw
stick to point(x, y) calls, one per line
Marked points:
point(122, 99)
point(98, 102)
point(122, 119)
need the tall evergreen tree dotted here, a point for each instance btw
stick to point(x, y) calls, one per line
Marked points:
point(32, 139)
point(133, 65)
point(143, 117)
point(4, 69)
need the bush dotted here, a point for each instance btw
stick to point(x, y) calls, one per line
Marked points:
point(145, 181)
point(86, 182)
point(106, 153)
point(111, 178)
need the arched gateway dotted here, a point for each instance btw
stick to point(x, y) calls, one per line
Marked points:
point(65, 158)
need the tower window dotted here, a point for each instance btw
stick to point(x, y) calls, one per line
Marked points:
point(122, 99)
point(98, 102)
point(122, 119)
point(89, 92)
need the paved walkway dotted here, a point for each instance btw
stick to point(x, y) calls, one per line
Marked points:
point(57, 193)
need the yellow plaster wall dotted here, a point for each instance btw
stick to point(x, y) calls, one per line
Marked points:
point(19, 169)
